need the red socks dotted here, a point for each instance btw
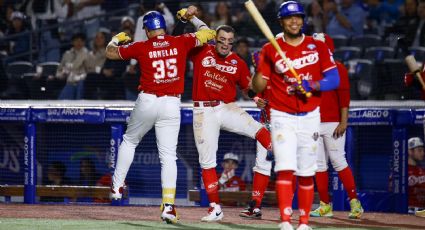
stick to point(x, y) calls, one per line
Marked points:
point(263, 136)
point(209, 176)
point(285, 194)
point(305, 197)
point(347, 179)
point(322, 183)
point(259, 185)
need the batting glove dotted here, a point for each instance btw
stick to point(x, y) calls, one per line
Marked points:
point(120, 38)
point(205, 35)
point(183, 16)
point(307, 86)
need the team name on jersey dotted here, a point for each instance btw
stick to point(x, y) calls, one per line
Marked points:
point(163, 53)
point(282, 67)
point(210, 61)
point(414, 180)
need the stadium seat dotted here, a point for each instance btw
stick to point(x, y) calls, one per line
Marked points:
point(47, 68)
point(37, 83)
point(379, 53)
point(391, 77)
point(366, 41)
point(346, 53)
point(339, 41)
point(15, 72)
point(362, 80)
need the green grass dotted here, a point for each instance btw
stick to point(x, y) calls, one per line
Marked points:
point(25, 224)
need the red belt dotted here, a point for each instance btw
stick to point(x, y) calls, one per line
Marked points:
point(206, 103)
point(159, 94)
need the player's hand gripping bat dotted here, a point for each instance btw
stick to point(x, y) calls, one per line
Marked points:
point(255, 14)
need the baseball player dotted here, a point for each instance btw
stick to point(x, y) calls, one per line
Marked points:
point(217, 72)
point(295, 118)
point(334, 119)
point(263, 162)
point(162, 61)
point(416, 173)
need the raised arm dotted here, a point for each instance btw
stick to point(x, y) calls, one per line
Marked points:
point(112, 47)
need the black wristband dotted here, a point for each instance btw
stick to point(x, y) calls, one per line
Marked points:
point(251, 93)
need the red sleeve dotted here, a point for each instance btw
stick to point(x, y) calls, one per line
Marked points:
point(131, 50)
point(264, 65)
point(189, 40)
point(343, 90)
point(244, 75)
point(327, 62)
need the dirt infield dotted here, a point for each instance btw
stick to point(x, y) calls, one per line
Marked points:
point(193, 215)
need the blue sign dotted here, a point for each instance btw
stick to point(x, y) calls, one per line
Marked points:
point(370, 117)
point(418, 117)
point(68, 115)
point(117, 115)
point(14, 114)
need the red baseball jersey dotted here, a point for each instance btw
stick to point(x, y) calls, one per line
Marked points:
point(310, 59)
point(333, 101)
point(416, 186)
point(162, 62)
point(215, 77)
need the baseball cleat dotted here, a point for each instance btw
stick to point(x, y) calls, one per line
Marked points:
point(214, 213)
point(251, 213)
point(304, 227)
point(116, 193)
point(169, 213)
point(356, 209)
point(323, 210)
point(286, 226)
point(420, 213)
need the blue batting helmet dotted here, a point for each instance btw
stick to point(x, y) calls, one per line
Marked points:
point(290, 8)
point(153, 20)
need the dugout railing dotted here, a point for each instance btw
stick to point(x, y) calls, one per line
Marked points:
point(376, 148)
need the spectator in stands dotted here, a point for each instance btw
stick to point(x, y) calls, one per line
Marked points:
point(21, 43)
point(48, 14)
point(222, 15)
point(88, 173)
point(228, 180)
point(416, 173)
point(127, 23)
point(245, 26)
point(147, 6)
point(382, 14)
point(73, 68)
point(315, 22)
point(96, 61)
point(419, 38)
point(131, 82)
point(406, 25)
point(242, 50)
point(56, 176)
point(87, 10)
point(346, 18)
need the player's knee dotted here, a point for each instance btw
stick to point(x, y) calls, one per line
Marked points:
point(339, 164)
point(130, 140)
point(208, 165)
point(265, 169)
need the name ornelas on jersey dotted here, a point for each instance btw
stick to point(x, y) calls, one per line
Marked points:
point(163, 53)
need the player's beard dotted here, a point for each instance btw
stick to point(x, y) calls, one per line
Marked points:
point(293, 35)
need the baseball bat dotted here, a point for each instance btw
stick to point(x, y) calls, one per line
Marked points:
point(255, 14)
point(415, 69)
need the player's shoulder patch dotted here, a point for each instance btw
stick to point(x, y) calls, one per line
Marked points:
point(128, 44)
point(311, 46)
point(234, 61)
